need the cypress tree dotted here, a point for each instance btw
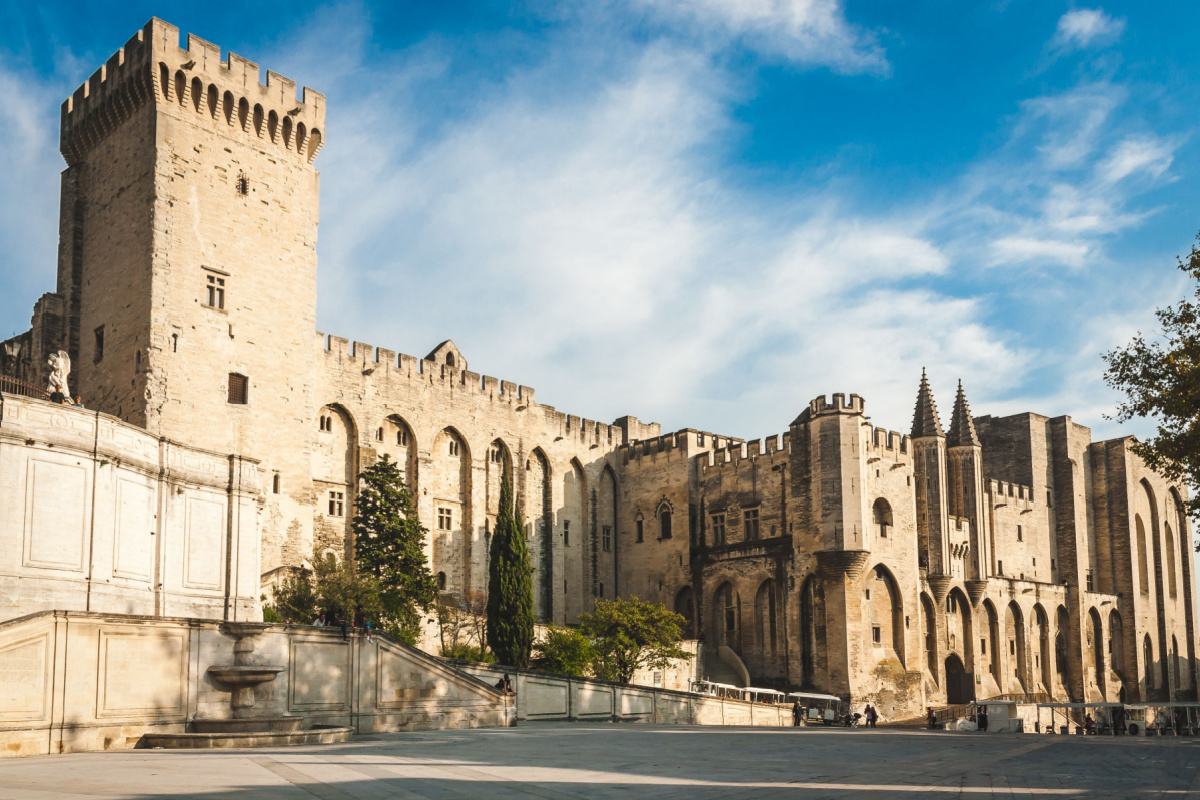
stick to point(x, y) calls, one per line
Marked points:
point(510, 587)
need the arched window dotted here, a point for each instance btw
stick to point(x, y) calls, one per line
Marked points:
point(164, 78)
point(1148, 658)
point(664, 524)
point(197, 93)
point(883, 517)
point(441, 580)
point(1143, 570)
point(727, 614)
point(449, 359)
point(275, 484)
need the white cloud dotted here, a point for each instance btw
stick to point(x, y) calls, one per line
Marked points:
point(1140, 154)
point(30, 164)
point(1082, 28)
point(803, 31)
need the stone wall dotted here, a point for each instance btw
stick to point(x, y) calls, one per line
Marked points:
point(91, 681)
point(97, 515)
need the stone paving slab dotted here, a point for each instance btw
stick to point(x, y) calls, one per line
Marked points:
point(566, 761)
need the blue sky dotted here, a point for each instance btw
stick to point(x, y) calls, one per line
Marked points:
point(706, 213)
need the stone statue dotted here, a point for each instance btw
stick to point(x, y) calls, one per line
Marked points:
point(60, 368)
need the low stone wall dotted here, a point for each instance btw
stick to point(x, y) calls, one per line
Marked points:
point(88, 681)
point(98, 515)
point(546, 696)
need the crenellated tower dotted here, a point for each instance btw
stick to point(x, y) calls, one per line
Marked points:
point(187, 261)
point(929, 475)
point(965, 471)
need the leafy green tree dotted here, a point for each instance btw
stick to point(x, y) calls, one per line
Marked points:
point(510, 587)
point(389, 545)
point(295, 598)
point(565, 651)
point(330, 588)
point(629, 635)
point(1161, 381)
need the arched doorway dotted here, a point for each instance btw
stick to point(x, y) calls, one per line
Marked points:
point(960, 684)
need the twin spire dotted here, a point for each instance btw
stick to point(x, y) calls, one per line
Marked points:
point(926, 422)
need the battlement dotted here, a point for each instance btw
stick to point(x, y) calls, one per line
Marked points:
point(881, 441)
point(752, 451)
point(153, 65)
point(1003, 493)
point(836, 404)
point(377, 364)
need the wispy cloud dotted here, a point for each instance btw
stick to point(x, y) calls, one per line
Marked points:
point(814, 32)
point(1083, 28)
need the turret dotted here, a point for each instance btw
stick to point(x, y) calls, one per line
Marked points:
point(929, 472)
point(965, 470)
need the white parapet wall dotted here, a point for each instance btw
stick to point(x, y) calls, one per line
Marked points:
point(543, 696)
point(87, 681)
point(98, 515)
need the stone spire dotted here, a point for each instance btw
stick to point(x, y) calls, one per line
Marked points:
point(925, 417)
point(962, 431)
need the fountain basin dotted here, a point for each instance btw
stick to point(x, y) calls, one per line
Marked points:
point(252, 725)
point(244, 676)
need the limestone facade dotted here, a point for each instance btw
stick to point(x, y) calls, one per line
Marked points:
point(1000, 556)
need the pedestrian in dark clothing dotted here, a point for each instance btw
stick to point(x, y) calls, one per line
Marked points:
point(931, 716)
point(797, 714)
point(981, 720)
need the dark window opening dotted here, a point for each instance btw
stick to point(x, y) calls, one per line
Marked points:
point(750, 524)
point(566, 533)
point(606, 539)
point(98, 355)
point(718, 526)
point(215, 292)
point(337, 504)
point(876, 634)
point(275, 484)
point(640, 531)
point(445, 519)
point(664, 524)
point(441, 580)
point(238, 389)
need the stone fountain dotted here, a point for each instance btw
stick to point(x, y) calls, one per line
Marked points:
point(243, 728)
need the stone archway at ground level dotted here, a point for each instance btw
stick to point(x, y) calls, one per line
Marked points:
point(960, 684)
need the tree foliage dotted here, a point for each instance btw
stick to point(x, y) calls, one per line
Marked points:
point(1160, 379)
point(389, 544)
point(330, 588)
point(510, 586)
point(566, 651)
point(630, 634)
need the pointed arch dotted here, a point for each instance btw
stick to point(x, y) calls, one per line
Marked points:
point(197, 93)
point(314, 144)
point(1016, 678)
point(335, 478)
point(929, 624)
point(886, 628)
point(301, 137)
point(498, 464)
point(572, 525)
point(727, 617)
point(990, 643)
point(449, 486)
point(1042, 658)
point(1116, 638)
point(272, 125)
point(287, 132)
point(244, 114)
point(180, 86)
point(1062, 627)
point(959, 626)
point(537, 508)
point(400, 443)
point(1148, 664)
point(766, 618)
point(258, 120)
point(164, 80)
point(606, 523)
point(214, 100)
point(1095, 641)
point(685, 606)
point(881, 514)
point(812, 629)
point(227, 106)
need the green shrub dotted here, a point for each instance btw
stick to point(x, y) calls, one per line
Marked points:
point(271, 615)
point(565, 651)
point(469, 652)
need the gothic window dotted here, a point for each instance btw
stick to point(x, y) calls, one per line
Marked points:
point(718, 528)
point(214, 296)
point(750, 524)
point(664, 524)
point(883, 517)
point(337, 502)
point(402, 437)
point(275, 484)
point(641, 535)
point(238, 389)
point(496, 455)
point(951, 604)
point(453, 447)
point(326, 423)
point(606, 538)
point(566, 533)
point(444, 519)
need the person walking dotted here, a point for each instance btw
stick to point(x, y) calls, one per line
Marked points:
point(981, 719)
point(931, 717)
point(797, 713)
point(367, 628)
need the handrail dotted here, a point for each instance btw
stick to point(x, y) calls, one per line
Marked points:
point(13, 385)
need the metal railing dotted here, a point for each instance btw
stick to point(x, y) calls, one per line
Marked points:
point(12, 385)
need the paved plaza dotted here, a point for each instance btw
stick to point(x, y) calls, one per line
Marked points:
point(562, 760)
